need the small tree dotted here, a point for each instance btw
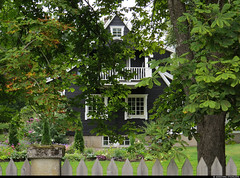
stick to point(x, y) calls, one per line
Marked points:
point(46, 139)
point(13, 134)
point(78, 139)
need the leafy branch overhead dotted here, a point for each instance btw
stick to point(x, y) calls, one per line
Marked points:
point(42, 43)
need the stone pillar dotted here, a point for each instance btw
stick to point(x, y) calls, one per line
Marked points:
point(46, 159)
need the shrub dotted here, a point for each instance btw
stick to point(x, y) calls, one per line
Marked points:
point(19, 155)
point(74, 157)
point(78, 138)
point(5, 152)
point(13, 134)
point(120, 154)
point(101, 157)
point(89, 154)
point(46, 139)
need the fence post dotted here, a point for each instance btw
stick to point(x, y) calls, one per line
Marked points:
point(187, 168)
point(97, 168)
point(157, 168)
point(11, 168)
point(82, 168)
point(112, 168)
point(127, 168)
point(216, 168)
point(142, 168)
point(231, 168)
point(66, 168)
point(26, 168)
point(172, 168)
point(202, 168)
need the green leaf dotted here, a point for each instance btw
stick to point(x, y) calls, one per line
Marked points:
point(72, 90)
point(182, 18)
point(225, 8)
point(156, 82)
point(190, 108)
point(225, 105)
point(208, 103)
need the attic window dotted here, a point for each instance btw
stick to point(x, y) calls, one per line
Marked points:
point(117, 31)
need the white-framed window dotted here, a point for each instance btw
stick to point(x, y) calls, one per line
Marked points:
point(96, 100)
point(126, 141)
point(138, 106)
point(106, 142)
point(117, 31)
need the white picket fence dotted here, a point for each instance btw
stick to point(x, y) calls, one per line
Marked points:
point(127, 169)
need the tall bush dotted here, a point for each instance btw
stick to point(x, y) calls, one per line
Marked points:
point(13, 134)
point(46, 138)
point(78, 138)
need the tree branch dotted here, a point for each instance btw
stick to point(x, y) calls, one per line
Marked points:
point(29, 43)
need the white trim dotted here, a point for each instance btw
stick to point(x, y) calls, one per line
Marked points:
point(117, 144)
point(166, 75)
point(109, 21)
point(145, 115)
point(116, 26)
point(87, 107)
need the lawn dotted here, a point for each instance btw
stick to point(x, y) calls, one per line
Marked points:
point(191, 152)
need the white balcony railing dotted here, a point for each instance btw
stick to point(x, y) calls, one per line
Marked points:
point(140, 72)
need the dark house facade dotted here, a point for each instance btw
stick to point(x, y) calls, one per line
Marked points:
point(140, 100)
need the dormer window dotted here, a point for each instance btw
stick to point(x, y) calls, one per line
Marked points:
point(117, 31)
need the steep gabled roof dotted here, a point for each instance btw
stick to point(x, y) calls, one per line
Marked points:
point(109, 21)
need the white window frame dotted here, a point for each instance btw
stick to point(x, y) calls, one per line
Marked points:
point(122, 31)
point(87, 107)
point(108, 144)
point(145, 115)
point(115, 144)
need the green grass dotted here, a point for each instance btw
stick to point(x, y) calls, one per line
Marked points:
point(191, 152)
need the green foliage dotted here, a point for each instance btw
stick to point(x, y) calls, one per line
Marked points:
point(78, 138)
point(5, 152)
point(46, 139)
point(13, 132)
point(74, 157)
point(38, 47)
point(206, 84)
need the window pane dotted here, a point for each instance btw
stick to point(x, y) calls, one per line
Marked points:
point(117, 32)
point(136, 105)
point(105, 141)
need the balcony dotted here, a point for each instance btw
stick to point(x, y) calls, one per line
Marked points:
point(140, 72)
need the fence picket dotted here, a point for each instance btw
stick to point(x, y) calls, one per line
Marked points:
point(142, 168)
point(97, 168)
point(82, 168)
point(231, 168)
point(26, 168)
point(0, 170)
point(66, 168)
point(216, 168)
point(202, 168)
point(157, 168)
point(11, 168)
point(187, 168)
point(172, 168)
point(127, 168)
point(112, 168)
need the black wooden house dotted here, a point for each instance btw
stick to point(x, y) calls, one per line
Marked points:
point(140, 100)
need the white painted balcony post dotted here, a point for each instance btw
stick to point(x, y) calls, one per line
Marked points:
point(148, 70)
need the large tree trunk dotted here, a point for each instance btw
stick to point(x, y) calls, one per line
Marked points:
point(211, 128)
point(211, 144)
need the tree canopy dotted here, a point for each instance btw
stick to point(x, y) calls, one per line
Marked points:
point(42, 41)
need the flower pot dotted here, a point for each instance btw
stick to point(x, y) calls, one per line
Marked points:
point(46, 159)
